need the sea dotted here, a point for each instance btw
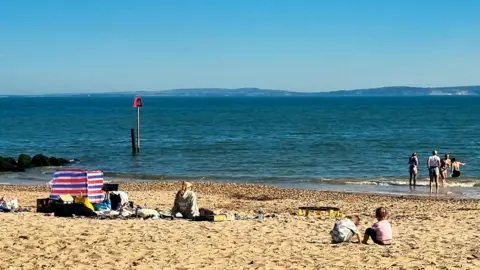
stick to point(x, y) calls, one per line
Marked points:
point(353, 144)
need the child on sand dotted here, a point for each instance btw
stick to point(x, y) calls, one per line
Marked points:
point(344, 229)
point(381, 231)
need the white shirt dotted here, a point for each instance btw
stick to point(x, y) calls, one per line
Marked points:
point(433, 161)
point(343, 230)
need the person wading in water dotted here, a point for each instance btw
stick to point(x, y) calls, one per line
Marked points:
point(444, 166)
point(412, 169)
point(456, 167)
point(433, 164)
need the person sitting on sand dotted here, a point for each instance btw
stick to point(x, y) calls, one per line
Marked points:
point(381, 231)
point(185, 202)
point(456, 167)
point(344, 229)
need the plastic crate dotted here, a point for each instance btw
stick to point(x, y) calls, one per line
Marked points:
point(44, 206)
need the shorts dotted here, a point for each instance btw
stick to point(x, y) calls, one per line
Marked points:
point(456, 174)
point(433, 171)
point(336, 239)
point(373, 234)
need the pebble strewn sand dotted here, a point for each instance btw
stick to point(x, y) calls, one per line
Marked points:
point(428, 233)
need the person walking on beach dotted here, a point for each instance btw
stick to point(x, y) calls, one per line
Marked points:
point(433, 164)
point(456, 167)
point(444, 166)
point(412, 169)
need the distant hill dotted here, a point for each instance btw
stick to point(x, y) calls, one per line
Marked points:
point(256, 92)
point(410, 91)
point(206, 92)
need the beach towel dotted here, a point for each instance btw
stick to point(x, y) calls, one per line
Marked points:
point(105, 205)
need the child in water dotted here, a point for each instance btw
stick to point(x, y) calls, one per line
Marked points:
point(345, 229)
point(381, 231)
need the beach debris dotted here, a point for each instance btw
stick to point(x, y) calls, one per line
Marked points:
point(260, 213)
point(216, 218)
point(476, 255)
point(307, 210)
point(260, 197)
point(468, 209)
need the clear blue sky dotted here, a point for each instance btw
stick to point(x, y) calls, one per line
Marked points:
point(102, 45)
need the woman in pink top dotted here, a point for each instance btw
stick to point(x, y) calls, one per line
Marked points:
point(381, 231)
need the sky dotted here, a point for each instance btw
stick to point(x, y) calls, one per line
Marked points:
point(318, 45)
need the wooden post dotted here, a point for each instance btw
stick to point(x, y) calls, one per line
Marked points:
point(138, 129)
point(137, 103)
point(132, 136)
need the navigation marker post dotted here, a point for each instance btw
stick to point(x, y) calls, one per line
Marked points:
point(137, 103)
point(132, 137)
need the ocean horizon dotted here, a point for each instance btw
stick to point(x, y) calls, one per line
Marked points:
point(329, 143)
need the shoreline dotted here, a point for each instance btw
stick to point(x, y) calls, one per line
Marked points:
point(468, 188)
point(259, 192)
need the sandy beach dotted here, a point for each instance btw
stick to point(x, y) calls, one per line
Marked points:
point(428, 233)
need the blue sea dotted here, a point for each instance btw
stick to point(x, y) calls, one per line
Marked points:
point(359, 144)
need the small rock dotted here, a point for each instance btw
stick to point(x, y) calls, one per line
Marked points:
point(40, 160)
point(62, 161)
point(24, 161)
point(53, 161)
point(7, 164)
point(24, 237)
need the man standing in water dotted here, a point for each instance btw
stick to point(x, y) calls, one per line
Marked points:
point(444, 166)
point(433, 164)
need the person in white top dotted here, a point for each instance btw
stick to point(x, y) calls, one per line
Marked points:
point(433, 164)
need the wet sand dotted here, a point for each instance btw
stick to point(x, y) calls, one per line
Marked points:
point(428, 233)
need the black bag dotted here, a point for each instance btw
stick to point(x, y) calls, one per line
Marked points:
point(44, 206)
point(110, 187)
point(63, 209)
point(70, 209)
point(115, 202)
